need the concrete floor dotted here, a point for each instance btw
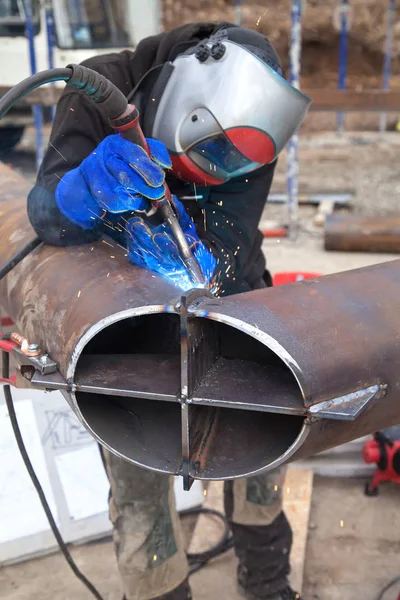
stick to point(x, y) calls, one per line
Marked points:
point(348, 562)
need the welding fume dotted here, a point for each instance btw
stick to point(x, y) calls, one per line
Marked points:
point(162, 158)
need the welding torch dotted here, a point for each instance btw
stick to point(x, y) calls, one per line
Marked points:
point(124, 118)
point(128, 126)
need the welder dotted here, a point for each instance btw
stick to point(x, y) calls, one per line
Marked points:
point(216, 111)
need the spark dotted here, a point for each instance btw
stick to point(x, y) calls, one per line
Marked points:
point(288, 490)
point(123, 248)
point(204, 219)
point(155, 557)
point(62, 156)
point(227, 270)
point(112, 256)
point(108, 274)
point(109, 226)
point(108, 244)
point(79, 293)
point(205, 492)
point(91, 249)
point(73, 110)
point(261, 16)
point(58, 177)
point(341, 523)
point(275, 488)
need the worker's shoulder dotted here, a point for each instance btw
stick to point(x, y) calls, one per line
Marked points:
point(104, 61)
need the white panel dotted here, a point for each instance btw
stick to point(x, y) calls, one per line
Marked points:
point(21, 513)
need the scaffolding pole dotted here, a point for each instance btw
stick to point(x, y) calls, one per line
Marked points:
point(387, 61)
point(292, 150)
point(343, 55)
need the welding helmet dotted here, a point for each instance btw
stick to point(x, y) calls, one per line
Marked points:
point(223, 107)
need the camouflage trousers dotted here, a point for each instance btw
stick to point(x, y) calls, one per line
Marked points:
point(148, 539)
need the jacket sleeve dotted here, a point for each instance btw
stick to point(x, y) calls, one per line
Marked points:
point(77, 129)
point(231, 218)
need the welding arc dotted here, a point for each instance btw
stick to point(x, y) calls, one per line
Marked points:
point(36, 482)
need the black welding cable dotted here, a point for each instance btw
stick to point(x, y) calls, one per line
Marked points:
point(30, 83)
point(387, 587)
point(36, 483)
point(200, 559)
point(14, 260)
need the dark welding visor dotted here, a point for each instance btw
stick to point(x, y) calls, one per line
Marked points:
point(217, 153)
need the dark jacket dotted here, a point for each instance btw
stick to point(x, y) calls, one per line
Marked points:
point(226, 218)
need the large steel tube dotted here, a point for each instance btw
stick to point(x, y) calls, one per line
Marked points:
point(199, 386)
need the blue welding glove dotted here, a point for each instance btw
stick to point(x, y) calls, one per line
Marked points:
point(116, 177)
point(155, 248)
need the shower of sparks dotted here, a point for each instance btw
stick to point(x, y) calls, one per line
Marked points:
point(62, 156)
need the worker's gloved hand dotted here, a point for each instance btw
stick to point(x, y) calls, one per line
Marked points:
point(155, 248)
point(116, 177)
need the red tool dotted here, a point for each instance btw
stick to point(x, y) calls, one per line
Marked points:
point(6, 345)
point(384, 450)
point(128, 126)
point(10, 341)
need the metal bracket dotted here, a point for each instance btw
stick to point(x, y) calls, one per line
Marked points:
point(347, 407)
point(42, 363)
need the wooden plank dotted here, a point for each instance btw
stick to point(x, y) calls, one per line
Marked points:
point(297, 505)
point(370, 100)
point(221, 573)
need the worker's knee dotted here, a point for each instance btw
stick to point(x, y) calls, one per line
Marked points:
point(256, 500)
point(148, 539)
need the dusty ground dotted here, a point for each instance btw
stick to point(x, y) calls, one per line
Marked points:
point(342, 563)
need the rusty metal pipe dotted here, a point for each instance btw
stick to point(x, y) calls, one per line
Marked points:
point(362, 234)
point(182, 384)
